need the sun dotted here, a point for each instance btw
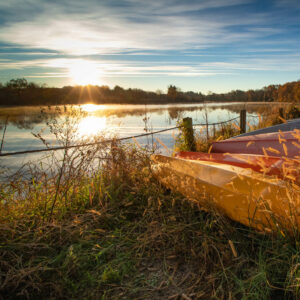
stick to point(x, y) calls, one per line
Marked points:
point(84, 72)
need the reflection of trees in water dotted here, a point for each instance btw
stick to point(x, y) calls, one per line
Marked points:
point(21, 121)
point(261, 108)
point(175, 114)
point(28, 117)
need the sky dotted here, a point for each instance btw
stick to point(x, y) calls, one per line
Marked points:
point(200, 46)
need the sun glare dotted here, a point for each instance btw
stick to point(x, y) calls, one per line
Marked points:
point(91, 125)
point(84, 73)
point(92, 107)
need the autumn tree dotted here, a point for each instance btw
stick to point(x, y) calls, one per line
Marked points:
point(20, 83)
point(172, 92)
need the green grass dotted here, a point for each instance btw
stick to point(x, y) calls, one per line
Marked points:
point(116, 233)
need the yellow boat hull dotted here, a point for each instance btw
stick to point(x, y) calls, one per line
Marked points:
point(250, 198)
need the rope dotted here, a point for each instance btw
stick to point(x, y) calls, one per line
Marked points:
point(107, 141)
point(84, 145)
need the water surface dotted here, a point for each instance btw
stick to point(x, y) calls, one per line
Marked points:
point(24, 123)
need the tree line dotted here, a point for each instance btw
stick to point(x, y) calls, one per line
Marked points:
point(21, 92)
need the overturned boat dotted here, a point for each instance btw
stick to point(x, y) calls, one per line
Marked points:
point(280, 144)
point(244, 195)
point(282, 167)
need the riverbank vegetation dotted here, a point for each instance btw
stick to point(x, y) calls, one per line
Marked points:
point(21, 92)
point(94, 223)
point(123, 236)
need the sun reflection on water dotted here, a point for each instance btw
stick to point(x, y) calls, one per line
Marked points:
point(92, 107)
point(91, 125)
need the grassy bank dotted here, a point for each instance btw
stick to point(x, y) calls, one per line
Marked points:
point(111, 231)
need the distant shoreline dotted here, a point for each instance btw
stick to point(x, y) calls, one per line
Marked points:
point(153, 104)
point(143, 104)
point(20, 92)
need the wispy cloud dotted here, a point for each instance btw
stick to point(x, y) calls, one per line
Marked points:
point(92, 27)
point(128, 38)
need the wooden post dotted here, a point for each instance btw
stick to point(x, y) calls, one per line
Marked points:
point(188, 134)
point(243, 121)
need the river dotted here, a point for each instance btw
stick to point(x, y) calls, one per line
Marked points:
point(23, 125)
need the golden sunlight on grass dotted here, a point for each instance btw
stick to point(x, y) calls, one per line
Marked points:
point(91, 125)
point(84, 72)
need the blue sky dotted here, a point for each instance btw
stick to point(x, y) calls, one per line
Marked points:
point(212, 45)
